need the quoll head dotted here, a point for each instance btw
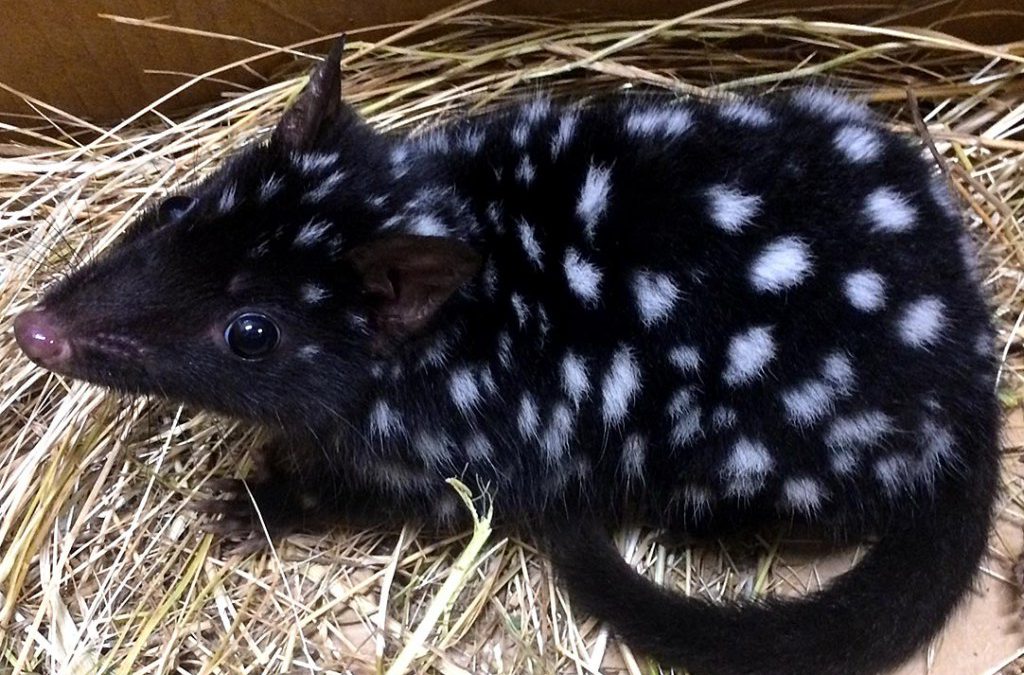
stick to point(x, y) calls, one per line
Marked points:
point(265, 292)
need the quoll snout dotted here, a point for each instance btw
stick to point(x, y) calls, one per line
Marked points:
point(42, 338)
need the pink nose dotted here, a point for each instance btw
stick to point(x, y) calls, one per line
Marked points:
point(41, 338)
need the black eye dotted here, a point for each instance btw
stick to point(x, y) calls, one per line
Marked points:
point(252, 335)
point(175, 208)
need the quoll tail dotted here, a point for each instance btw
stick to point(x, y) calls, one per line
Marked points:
point(869, 619)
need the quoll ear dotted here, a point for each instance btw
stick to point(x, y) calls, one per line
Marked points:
point(317, 107)
point(408, 278)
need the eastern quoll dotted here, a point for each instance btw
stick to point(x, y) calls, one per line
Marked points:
point(698, 316)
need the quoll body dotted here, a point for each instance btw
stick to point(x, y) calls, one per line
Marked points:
point(676, 309)
point(689, 313)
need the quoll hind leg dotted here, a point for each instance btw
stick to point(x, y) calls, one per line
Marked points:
point(278, 499)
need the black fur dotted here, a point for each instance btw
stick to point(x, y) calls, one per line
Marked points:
point(635, 308)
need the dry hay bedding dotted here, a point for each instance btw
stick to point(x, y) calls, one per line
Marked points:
point(105, 569)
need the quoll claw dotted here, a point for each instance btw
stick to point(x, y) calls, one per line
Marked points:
point(238, 516)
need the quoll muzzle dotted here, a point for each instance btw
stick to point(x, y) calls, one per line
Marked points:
point(41, 338)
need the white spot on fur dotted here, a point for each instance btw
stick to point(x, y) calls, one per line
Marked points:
point(563, 136)
point(723, 418)
point(681, 401)
point(812, 400)
point(270, 187)
point(439, 351)
point(399, 160)
point(555, 438)
point(620, 386)
point(478, 447)
point(685, 358)
point(583, 277)
point(831, 105)
point(748, 354)
point(782, 264)
point(634, 456)
point(520, 133)
point(487, 379)
point(808, 402)
point(433, 448)
point(522, 311)
point(857, 430)
point(697, 499)
point(311, 162)
point(858, 144)
point(505, 350)
point(893, 472)
point(529, 115)
point(538, 108)
point(921, 322)
point(464, 390)
point(865, 289)
point(311, 234)
point(433, 141)
point(685, 415)
point(803, 494)
point(746, 113)
point(655, 294)
point(472, 140)
point(543, 323)
point(384, 420)
point(489, 278)
point(528, 419)
point(593, 199)
point(427, 225)
point(837, 369)
point(889, 211)
point(525, 171)
point(844, 461)
point(983, 345)
point(658, 121)
point(226, 201)
point(731, 209)
point(937, 443)
point(747, 467)
point(528, 238)
point(575, 378)
point(324, 188)
point(313, 294)
point(969, 255)
point(494, 215)
point(398, 476)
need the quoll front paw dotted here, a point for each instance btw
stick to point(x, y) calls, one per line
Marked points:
point(248, 511)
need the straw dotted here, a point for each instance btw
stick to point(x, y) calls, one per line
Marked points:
point(104, 568)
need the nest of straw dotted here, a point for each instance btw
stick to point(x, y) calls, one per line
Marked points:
point(104, 568)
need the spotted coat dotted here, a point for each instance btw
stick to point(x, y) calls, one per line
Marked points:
point(688, 307)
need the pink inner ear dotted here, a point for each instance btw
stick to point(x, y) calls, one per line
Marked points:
point(410, 278)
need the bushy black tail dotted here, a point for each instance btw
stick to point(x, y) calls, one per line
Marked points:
point(870, 619)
